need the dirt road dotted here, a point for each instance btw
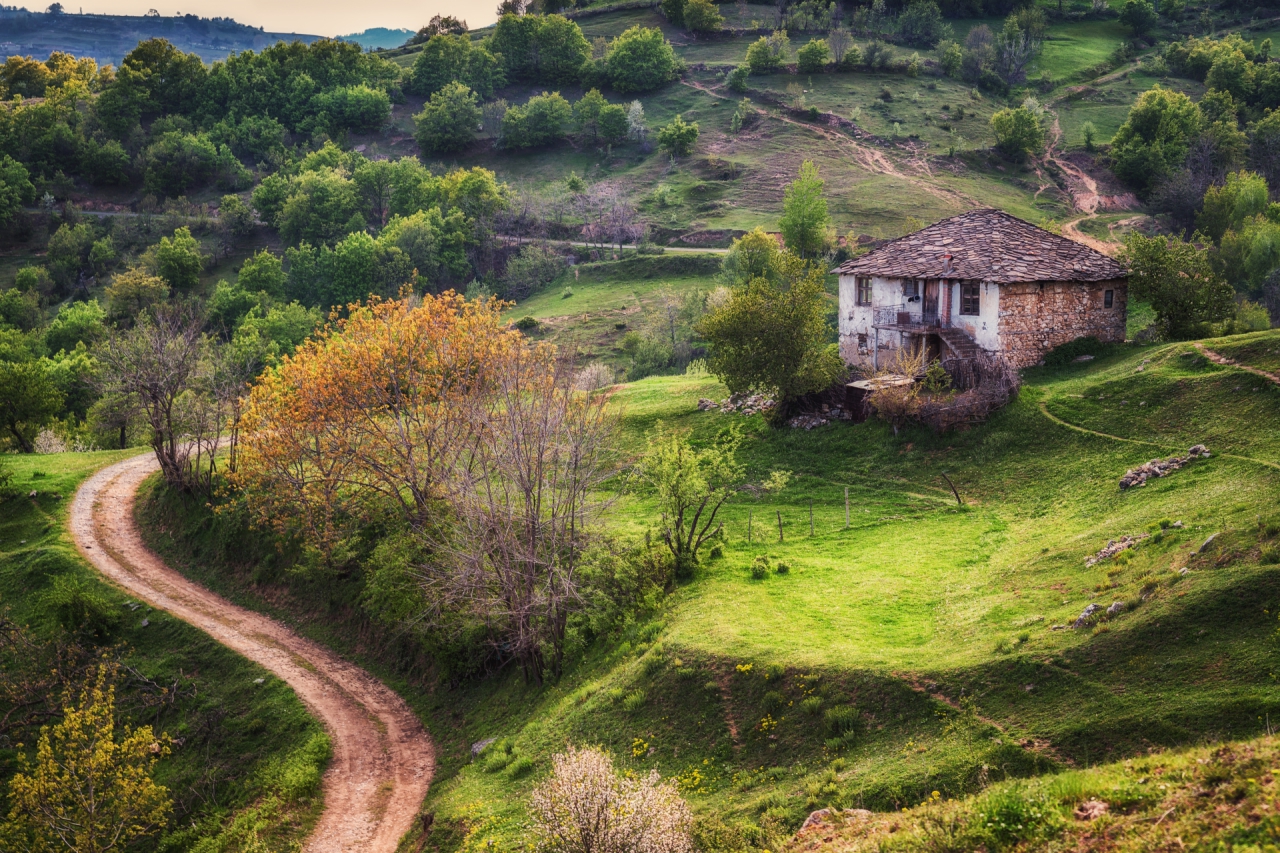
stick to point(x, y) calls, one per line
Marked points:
point(383, 760)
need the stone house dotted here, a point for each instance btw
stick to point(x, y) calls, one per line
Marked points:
point(983, 280)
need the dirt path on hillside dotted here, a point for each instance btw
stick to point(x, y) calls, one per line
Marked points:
point(870, 158)
point(1231, 362)
point(383, 760)
point(1083, 190)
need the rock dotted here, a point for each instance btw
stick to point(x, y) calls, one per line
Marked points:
point(481, 745)
point(145, 623)
point(1178, 524)
point(1085, 617)
point(1116, 608)
point(1091, 810)
point(704, 404)
point(34, 494)
point(1113, 547)
point(1207, 544)
point(1080, 358)
point(259, 681)
point(1160, 467)
point(1184, 571)
point(1057, 627)
point(826, 818)
point(807, 422)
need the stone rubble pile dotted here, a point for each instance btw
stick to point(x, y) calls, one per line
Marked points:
point(747, 404)
point(1086, 616)
point(1160, 467)
point(1115, 546)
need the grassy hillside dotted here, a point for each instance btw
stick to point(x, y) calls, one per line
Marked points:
point(246, 767)
point(921, 647)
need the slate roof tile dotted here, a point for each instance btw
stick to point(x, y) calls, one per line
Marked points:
point(987, 245)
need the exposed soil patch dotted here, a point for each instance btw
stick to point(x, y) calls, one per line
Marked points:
point(383, 760)
point(1230, 362)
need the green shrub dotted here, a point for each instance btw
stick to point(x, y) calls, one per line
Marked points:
point(841, 720)
point(716, 552)
point(774, 672)
point(782, 568)
point(615, 695)
point(497, 759)
point(1270, 555)
point(1003, 646)
point(633, 701)
point(653, 662)
point(1009, 816)
point(774, 701)
point(711, 686)
point(526, 324)
point(566, 293)
point(737, 79)
point(812, 706)
point(79, 606)
point(760, 567)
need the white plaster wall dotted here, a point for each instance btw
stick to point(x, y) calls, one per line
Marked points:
point(858, 319)
point(983, 327)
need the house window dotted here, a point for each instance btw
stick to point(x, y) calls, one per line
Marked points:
point(970, 303)
point(862, 344)
point(910, 288)
point(864, 291)
point(1108, 298)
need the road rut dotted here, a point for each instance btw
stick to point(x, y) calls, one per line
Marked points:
point(383, 760)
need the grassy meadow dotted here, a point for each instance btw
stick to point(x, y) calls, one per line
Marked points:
point(246, 766)
point(923, 645)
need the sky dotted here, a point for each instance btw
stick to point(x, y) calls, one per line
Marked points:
point(311, 17)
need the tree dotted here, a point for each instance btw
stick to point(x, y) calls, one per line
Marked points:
point(448, 121)
point(691, 485)
point(921, 24)
point(133, 293)
point(805, 221)
point(322, 207)
point(1018, 132)
point(1015, 47)
point(178, 162)
point(678, 137)
point(16, 188)
point(28, 400)
point(753, 255)
point(156, 363)
point(236, 216)
point(585, 806)
point(702, 16)
point(1154, 140)
point(455, 58)
point(772, 336)
point(1242, 196)
point(840, 42)
point(90, 788)
point(76, 323)
point(813, 57)
point(1178, 281)
point(640, 60)
point(1139, 16)
point(586, 114)
point(178, 260)
point(68, 252)
point(263, 273)
point(540, 121)
point(561, 49)
point(360, 108)
point(673, 10)
point(613, 124)
point(767, 53)
point(438, 25)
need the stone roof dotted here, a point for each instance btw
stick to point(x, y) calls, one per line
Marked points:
point(988, 245)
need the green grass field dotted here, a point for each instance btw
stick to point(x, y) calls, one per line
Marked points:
point(942, 625)
point(247, 767)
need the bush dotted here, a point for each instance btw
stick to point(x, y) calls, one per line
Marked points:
point(767, 54)
point(760, 567)
point(813, 57)
point(539, 122)
point(782, 568)
point(519, 767)
point(921, 24)
point(1018, 132)
point(773, 701)
point(812, 706)
point(526, 324)
point(640, 60)
point(679, 137)
point(449, 120)
point(841, 720)
point(531, 270)
point(737, 79)
point(1009, 816)
point(702, 16)
point(633, 701)
point(360, 108)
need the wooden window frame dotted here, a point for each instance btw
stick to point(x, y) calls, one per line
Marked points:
point(1108, 298)
point(970, 299)
point(863, 292)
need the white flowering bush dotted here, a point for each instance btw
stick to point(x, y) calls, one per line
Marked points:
point(585, 806)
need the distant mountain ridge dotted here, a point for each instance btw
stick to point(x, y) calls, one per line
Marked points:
point(108, 38)
point(379, 38)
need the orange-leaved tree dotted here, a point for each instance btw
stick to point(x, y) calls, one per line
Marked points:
point(366, 416)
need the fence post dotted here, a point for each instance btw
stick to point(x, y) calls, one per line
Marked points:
point(846, 507)
point(779, 525)
point(748, 527)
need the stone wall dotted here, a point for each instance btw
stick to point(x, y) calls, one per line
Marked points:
point(1035, 317)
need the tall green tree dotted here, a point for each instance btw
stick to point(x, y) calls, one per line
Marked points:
point(1154, 139)
point(772, 336)
point(178, 260)
point(1179, 282)
point(641, 60)
point(16, 188)
point(805, 220)
point(1018, 132)
point(449, 120)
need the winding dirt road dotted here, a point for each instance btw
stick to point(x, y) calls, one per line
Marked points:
point(383, 760)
